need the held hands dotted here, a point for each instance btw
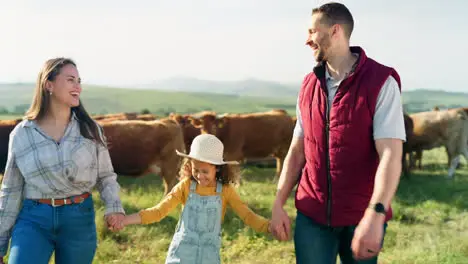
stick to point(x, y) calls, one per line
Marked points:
point(280, 225)
point(114, 222)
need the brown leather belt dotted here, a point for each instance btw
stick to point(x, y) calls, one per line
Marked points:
point(63, 201)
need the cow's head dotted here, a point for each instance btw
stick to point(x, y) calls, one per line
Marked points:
point(189, 130)
point(180, 119)
point(185, 121)
point(209, 123)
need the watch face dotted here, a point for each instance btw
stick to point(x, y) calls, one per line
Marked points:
point(380, 208)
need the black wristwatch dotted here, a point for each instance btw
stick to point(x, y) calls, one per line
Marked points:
point(379, 208)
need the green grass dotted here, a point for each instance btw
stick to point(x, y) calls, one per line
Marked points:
point(430, 223)
point(9, 116)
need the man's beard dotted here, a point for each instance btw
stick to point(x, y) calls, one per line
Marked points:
point(320, 56)
point(323, 45)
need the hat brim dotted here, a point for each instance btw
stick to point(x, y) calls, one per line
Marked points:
point(205, 160)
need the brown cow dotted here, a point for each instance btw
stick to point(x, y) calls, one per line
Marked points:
point(254, 135)
point(116, 116)
point(125, 116)
point(139, 147)
point(416, 157)
point(146, 117)
point(406, 147)
point(448, 128)
point(6, 126)
point(189, 131)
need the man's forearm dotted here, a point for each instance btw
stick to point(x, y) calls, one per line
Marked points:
point(292, 166)
point(388, 172)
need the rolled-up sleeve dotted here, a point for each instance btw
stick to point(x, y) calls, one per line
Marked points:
point(388, 117)
point(11, 196)
point(107, 184)
point(298, 129)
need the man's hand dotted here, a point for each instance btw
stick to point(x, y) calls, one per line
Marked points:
point(1, 260)
point(280, 223)
point(114, 221)
point(368, 236)
point(290, 173)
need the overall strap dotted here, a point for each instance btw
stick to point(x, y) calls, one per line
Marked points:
point(219, 187)
point(193, 186)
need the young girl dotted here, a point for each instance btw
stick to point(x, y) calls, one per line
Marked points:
point(205, 190)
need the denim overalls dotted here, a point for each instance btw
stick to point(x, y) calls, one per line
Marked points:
point(198, 234)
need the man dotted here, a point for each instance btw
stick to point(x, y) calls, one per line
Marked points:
point(346, 151)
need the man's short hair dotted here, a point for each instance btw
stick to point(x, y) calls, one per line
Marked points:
point(336, 13)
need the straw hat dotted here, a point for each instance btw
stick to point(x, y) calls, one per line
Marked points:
point(207, 148)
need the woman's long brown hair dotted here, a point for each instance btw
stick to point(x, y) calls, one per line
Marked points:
point(41, 101)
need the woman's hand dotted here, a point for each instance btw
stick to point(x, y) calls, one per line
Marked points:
point(114, 221)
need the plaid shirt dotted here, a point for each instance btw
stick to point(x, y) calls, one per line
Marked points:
point(38, 167)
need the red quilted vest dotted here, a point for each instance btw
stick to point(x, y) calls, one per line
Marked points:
point(341, 159)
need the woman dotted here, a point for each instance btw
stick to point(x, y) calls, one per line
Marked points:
point(56, 155)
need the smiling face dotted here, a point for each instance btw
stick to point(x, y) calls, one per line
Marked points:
point(319, 38)
point(204, 173)
point(65, 87)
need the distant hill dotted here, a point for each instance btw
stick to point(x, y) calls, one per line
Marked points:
point(99, 99)
point(424, 100)
point(247, 87)
point(414, 101)
point(251, 95)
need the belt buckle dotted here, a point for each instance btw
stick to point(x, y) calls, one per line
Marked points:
point(55, 205)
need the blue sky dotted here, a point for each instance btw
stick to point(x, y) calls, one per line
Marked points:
point(122, 42)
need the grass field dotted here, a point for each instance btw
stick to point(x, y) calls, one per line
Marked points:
point(430, 222)
point(9, 116)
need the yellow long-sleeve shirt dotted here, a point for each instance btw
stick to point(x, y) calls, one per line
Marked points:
point(180, 192)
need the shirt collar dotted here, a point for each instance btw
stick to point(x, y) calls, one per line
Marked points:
point(328, 77)
point(33, 124)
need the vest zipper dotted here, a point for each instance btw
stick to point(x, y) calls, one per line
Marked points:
point(329, 197)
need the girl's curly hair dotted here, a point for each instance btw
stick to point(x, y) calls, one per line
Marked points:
point(225, 174)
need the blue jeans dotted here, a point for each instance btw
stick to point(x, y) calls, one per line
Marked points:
point(40, 229)
point(316, 243)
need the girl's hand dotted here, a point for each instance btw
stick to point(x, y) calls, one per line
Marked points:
point(133, 219)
